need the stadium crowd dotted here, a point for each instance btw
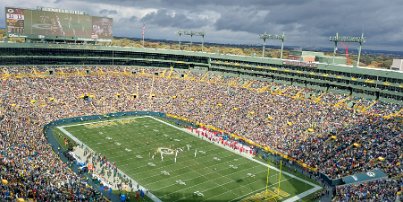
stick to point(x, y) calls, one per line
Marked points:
point(379, 190)
point(337, 141)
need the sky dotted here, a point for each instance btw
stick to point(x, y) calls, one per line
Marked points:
point(306, 23)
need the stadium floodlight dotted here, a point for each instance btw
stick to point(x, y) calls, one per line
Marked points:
point(265, 36)
point(191, 34)
point(202, 34)
point(348, 39)
point(180, 33)
point(282, 39)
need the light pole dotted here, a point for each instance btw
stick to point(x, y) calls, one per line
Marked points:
point(265, 36)
point(180, 33)
point(359, 49)
point(191, 34)
point(282, 38)
point(336, 39)
point(202, 34)
point(348, 39)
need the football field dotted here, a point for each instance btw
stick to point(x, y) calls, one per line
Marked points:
point(144, 148)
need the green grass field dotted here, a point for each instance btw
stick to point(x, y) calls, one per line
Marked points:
point(217, 173)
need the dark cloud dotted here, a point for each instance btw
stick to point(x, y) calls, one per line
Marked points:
point(305, 23)
point(108, 12)
point(130, 20)
point(319, 19)
point(126, 26)
point(251, 20)
point(171, 18)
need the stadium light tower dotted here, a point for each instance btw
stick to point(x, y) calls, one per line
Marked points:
point(266, 37)
point(282, 39)
point(191, 34)
point(180, 33)
point(202, 34)
point(348, 39)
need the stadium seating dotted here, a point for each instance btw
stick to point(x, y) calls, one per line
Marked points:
point(337, 141)
point(379, 190)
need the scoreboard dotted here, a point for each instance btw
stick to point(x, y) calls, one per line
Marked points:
point(15, 20)
point(39, 24)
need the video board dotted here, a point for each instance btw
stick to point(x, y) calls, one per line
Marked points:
point(102, 27)
point(45, 24)
point(15, 20)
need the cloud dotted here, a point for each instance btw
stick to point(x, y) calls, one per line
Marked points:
point(171, 18)
point(108, 12)
point(305, 23)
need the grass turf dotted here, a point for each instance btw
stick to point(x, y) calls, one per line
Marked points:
point(219, 174)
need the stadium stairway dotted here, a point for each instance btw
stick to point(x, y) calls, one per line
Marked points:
point(366, 108)
point(395, 114)
point(342, 102)
point(318, 98)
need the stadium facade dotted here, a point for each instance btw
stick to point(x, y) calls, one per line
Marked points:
point(379, 84)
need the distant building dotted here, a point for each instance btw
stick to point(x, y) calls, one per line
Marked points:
point(397, 64)
point(295, 54)
point(306, 56)
point(312, 56)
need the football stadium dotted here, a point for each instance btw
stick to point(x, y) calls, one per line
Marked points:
point(81, 120)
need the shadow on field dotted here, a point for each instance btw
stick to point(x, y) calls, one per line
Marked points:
point(191, 197)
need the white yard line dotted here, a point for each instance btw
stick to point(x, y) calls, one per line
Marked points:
point(162, 167)
point(220, 185)
point(292, 199)
point(154, 198)
point(156, 160)
point(202, 175)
